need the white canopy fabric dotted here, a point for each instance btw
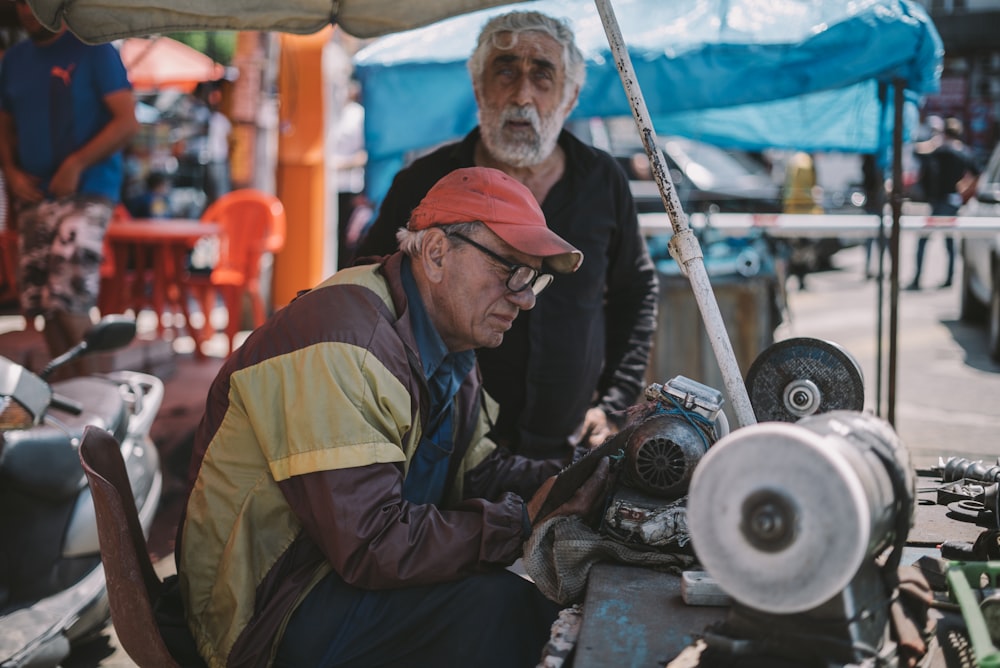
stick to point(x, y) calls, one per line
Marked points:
point(106, 20)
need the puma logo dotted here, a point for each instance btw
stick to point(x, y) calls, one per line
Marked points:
point(64, 74)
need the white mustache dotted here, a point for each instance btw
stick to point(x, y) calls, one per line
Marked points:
point(514, 113)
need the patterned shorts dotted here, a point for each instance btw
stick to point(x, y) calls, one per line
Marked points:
point(61, 247)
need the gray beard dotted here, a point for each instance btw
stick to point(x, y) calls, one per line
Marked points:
point(519, 148)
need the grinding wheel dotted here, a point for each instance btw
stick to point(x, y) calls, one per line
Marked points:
point(804, 376)
point(783, 516)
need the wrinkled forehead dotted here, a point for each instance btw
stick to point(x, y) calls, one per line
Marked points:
point(534, 46)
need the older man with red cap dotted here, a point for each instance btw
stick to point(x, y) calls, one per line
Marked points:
point(346, 508)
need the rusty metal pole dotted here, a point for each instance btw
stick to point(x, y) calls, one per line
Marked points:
point(684, 246)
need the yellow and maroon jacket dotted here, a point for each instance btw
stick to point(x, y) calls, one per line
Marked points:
point(299, 462)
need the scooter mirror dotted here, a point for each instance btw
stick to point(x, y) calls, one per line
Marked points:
point(112, 332)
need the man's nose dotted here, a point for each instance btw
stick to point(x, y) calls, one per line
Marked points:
point(524, 300)
point(523, 91)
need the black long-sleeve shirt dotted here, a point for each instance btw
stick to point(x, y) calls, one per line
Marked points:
point(587, 341)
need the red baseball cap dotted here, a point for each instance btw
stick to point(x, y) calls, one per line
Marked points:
point(504, 205)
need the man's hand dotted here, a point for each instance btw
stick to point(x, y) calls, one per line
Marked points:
point(23, 186)
point(66, 180)
point(595, 429)
point(583, 501)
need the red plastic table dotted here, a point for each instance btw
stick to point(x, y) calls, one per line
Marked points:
point(158, 249)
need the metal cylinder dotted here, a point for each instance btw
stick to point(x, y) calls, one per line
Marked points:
point(783, 515)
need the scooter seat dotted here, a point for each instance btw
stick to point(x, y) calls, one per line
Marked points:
point(42, 461)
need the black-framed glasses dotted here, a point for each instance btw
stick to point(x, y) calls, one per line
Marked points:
point(520, 276)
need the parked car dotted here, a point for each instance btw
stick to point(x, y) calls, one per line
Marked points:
point(711, 179)
point(980, 288)
point(707, 178)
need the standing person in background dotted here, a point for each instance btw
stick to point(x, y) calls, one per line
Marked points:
point(348, 161)
point(800, 196)
point(8, 254)
point(217, 175)
point(945, 160)
point(3, 183)
point(580, 356)
point(3, 203)
point(874, 187)
point(154, 202)
point(66, 112)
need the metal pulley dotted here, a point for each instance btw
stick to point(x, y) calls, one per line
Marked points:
point(798, 377)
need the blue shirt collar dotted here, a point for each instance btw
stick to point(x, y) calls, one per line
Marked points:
point(434, 354)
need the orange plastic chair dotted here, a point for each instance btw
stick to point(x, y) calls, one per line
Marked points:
point(252, 223)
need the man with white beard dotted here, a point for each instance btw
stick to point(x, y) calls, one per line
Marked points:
point(568, 368)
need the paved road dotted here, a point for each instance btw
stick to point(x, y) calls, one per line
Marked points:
point(948, 389)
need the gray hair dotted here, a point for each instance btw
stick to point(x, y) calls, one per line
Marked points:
point(410, 241)
point(519, 22)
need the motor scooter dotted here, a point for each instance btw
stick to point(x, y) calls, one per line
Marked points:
point(52, 587)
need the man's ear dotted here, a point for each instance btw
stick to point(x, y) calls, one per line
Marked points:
point(571, 101)
point(432, 253)
point(477, 92)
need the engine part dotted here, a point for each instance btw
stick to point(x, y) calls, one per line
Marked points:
point(962, 468)
point(661, 454)
point(667, 439)
point(682, 423)
point(968, 510)
point(798, 377)
point(981, 621)
point(663, 465)
point(960, 490)
point(637, 519)
point(982, 509)
point(783, 516)
point(689, 395)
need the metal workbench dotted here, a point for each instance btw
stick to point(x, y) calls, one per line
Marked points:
point(635, 617)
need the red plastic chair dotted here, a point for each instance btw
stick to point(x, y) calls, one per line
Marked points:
point(252, 223)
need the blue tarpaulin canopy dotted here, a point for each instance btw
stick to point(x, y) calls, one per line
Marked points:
point(740, 73)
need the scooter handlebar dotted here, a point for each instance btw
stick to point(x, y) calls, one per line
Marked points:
point(148, 397)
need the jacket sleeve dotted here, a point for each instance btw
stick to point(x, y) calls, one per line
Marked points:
point(376, 540)
point(630, 309)
point(502, 471)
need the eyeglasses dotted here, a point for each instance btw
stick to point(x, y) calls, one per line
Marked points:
point(520, 276)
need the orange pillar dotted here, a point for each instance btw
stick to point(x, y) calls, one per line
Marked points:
point(301, 170)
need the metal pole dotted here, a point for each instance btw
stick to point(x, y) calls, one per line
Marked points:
point(883, 94)
point(880, 296)
point(897, 208)
point(684, 246)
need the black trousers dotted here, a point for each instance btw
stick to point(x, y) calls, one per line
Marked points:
point(492, 620)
